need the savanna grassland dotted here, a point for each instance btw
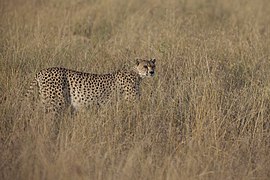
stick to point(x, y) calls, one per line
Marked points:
point(205, 115)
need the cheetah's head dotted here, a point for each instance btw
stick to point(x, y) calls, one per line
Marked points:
point(145, 68)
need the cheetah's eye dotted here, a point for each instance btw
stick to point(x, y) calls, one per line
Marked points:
point(145, 66)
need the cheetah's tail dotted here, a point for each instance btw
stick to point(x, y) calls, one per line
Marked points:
point(30, 90)
point(31, 87)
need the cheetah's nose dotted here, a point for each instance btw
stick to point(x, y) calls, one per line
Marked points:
point(152, 73)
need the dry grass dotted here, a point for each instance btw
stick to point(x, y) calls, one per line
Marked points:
point(206, 115)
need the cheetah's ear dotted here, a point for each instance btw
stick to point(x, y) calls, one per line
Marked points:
point(153, 60)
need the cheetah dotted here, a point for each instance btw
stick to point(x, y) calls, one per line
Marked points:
point(59, 88)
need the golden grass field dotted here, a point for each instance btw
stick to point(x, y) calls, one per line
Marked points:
point(205, 115)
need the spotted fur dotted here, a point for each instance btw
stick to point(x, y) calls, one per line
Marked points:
point(60, 87)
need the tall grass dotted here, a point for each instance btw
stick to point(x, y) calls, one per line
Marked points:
point(205, 115)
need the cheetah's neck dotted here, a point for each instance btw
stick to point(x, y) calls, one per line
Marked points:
point(135, 71)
